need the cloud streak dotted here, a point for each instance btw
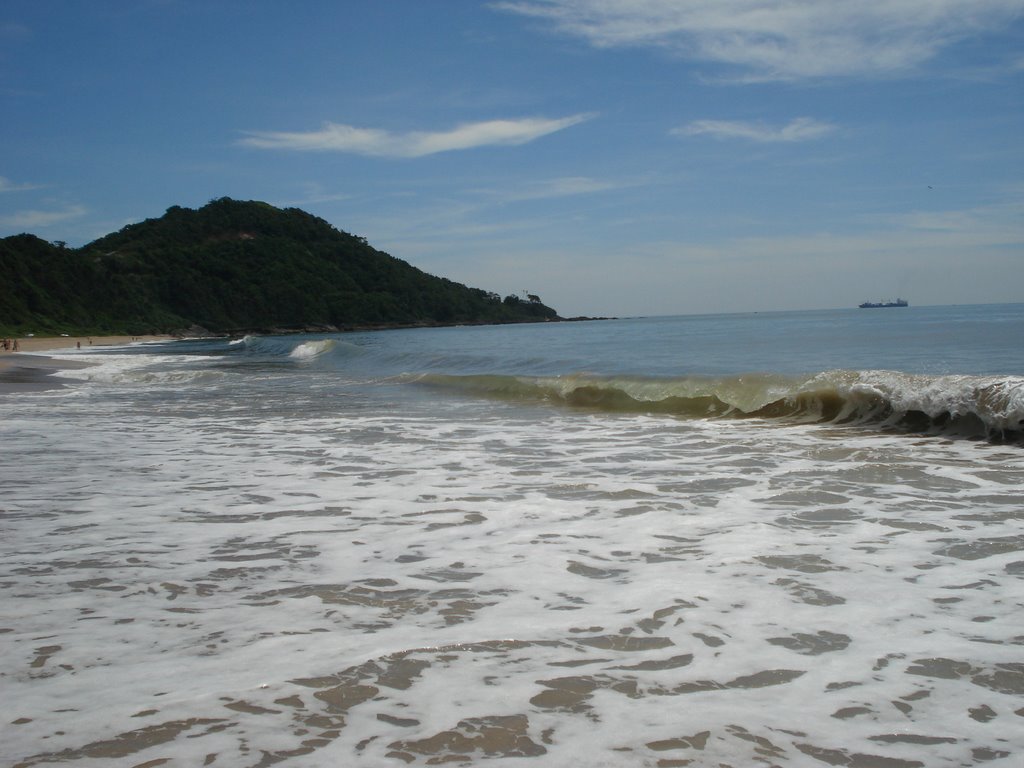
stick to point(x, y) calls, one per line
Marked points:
point(6, 185)
point(566, 186)
point(30, 219)
point(781, 39)
point(800, 129)
point(375, 142)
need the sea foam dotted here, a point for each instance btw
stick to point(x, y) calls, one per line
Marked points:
point(617, 590)
point(332, 564)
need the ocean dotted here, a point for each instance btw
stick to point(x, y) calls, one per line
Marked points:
point(775, 539)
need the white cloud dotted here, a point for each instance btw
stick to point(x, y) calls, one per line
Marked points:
point(566, 186)
point(780, 39)
point(6, 185)
point(26, 220)
point(800, 129)
point(337, 137)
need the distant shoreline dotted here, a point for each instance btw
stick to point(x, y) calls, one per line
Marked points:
point(29, 371)
point(32, 344)
point(234, 333)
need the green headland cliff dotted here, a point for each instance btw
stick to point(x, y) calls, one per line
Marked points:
point(231, 266)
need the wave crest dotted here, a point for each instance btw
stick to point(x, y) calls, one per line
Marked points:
point(312, 349)
point(276, 347)
point(986, 406)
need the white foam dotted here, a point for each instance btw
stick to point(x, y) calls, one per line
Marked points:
point(310, 349)
point(200, 557)
point(998, 401)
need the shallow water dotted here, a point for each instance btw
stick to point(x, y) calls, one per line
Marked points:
point(240, 558)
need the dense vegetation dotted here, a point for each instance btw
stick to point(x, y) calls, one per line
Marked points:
point(230, 266)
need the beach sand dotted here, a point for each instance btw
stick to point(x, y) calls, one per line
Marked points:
point(51, 343)
point(28, 371)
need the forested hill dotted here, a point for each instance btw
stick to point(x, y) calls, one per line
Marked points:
point(230, 266)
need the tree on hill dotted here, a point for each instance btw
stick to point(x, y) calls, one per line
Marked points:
point(230, 265)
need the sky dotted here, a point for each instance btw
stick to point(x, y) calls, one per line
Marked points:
point(614, 157)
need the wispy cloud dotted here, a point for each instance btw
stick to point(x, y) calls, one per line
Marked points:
point(566, 186)
point(782, 39)
point(313, 192)
point(337, 137)
point(32, 219)
point(800, 129)
point(6, 185)
point(995, 224)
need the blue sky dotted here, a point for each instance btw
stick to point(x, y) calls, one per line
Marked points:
point(616, 157)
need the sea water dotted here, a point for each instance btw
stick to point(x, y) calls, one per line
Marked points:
point(768, 539)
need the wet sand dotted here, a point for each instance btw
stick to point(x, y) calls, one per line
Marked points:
point(28, 371)
point(33, 373)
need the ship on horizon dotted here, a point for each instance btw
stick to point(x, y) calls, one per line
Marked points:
point(877, 304)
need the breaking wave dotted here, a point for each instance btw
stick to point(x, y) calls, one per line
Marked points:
point(311, 349)
point(975, 406)
point(278, 347)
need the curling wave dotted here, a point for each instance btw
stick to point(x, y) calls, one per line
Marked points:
point(279, 347)
point(312, 349)
point(976, 406)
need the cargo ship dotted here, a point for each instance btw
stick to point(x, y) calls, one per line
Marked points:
point(876, 305)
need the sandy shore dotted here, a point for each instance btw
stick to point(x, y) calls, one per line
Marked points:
point(28, 371)
point(52, 343)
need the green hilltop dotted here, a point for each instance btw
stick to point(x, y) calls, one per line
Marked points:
point(231, 266)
